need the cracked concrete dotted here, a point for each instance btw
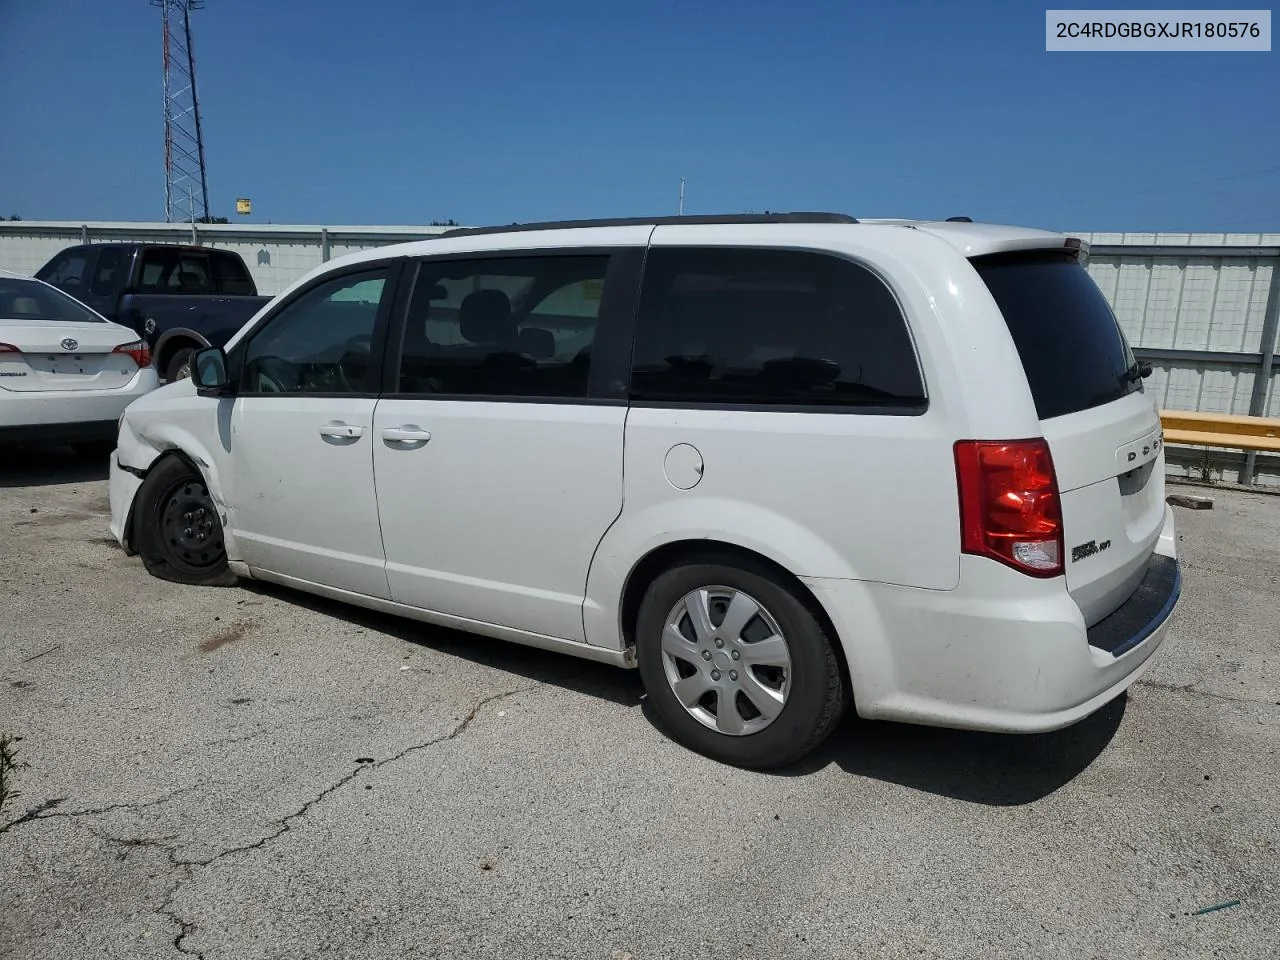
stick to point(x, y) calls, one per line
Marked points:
point(295, 793)
point(187, 867)
point(51, 809)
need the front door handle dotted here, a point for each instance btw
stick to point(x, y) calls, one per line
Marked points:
point(408, 434)
point(337, 430)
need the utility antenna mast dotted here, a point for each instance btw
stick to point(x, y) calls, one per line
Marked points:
point(186, 186)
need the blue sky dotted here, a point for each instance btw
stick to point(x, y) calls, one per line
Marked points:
point(404, 111)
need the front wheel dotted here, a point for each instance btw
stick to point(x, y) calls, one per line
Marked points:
point(736, 664)
point(176, 527)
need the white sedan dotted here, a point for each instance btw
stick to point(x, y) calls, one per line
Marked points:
point(66, 372)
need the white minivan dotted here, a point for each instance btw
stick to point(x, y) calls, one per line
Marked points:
point(781, 463)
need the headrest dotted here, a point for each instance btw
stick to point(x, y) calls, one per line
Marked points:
point(537, 343)
point(485, 317)
point(25, 307)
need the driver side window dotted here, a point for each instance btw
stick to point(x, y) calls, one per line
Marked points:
point(319, 343)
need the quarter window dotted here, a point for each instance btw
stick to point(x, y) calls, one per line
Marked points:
point(512, 327)
point(771, 327)
point(321, 342)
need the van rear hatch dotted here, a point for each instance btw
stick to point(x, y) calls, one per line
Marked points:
point(1103, 430)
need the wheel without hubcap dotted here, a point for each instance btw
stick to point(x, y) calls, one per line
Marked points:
point(189, 525)
point(176, 527)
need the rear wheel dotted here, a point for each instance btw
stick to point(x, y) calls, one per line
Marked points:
point(176, 527)
point(737, 665)
point(179, 366)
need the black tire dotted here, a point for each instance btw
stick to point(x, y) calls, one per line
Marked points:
point(96, 450)
point(168, 506)
point(179, 365)
point(816, 699)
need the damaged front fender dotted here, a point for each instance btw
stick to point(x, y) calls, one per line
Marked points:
point(179, 427)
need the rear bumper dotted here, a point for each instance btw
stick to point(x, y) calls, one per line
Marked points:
point(65, 415)
point(1001, 652)
point(79, 432)
point(1144, 612)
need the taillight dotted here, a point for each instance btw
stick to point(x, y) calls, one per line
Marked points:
point(139, 350)
point(1009, 505)
point(8, 348)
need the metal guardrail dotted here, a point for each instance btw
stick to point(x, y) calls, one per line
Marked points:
point(1259, 363)
point(1221, 430)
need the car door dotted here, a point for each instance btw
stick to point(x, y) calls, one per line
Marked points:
point(302, 502)
point(499, 456)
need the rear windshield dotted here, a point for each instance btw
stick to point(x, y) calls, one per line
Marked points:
point(1072, 350)
point(22, 299)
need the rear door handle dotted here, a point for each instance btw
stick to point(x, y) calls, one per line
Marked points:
point(337, 430)
point(405, 434)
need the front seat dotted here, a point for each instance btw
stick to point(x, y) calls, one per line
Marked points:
point(484, 319)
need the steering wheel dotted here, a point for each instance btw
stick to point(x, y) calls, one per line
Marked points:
point(270, 381)
point(356, 353)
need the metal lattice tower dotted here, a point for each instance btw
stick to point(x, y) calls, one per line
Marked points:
point(186, 187)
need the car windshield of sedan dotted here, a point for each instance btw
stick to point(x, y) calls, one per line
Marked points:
point(22, 299)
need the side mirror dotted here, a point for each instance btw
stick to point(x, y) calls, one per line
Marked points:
point(209, 373)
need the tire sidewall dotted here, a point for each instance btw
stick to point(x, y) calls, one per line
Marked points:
point(170, 472)
point(804, 719)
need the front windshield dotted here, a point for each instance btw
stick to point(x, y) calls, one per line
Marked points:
point(23, 299)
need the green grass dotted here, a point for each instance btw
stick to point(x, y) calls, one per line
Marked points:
point(8, 766)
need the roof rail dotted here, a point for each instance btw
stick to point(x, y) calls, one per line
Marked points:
point(656, 221)
point(959, 220)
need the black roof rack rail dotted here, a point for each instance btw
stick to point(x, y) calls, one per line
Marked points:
point(959, 220)
point(655, 221)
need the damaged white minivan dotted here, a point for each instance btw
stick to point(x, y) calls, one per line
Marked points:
point(782, 464)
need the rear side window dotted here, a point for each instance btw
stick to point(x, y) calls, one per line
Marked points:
point(159, 270)
point(108, 273)
point(782, 328)
point(1072, 350)
point(503, 327)
point(230, 275)
point(192, 275)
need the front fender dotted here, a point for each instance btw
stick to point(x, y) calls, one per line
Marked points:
point(174, 427)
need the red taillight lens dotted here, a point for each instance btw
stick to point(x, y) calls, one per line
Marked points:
point(139, 350)
point(8, 348)
point(1009, 505)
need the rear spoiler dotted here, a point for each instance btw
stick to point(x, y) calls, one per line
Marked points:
point(1080, 247)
